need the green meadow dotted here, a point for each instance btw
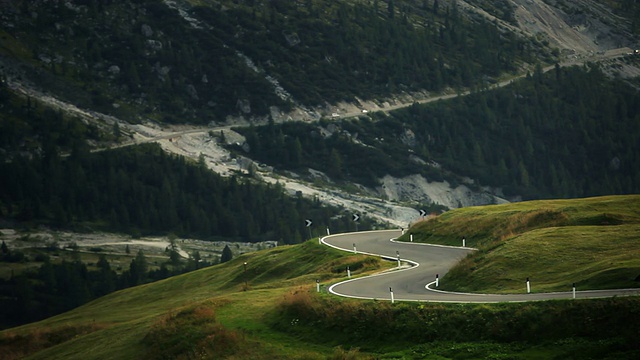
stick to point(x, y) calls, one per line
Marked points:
point(592, 242)
point(264, 305)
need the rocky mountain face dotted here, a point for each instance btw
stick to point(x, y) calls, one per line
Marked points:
point(148, 66)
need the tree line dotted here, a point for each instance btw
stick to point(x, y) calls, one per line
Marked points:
point(571, 132)
point(342, 156)
point(141, 190)
point(629, 9)
point(56, 287)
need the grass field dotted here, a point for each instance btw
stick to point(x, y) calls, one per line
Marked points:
point(594, 243)
point(270, 308)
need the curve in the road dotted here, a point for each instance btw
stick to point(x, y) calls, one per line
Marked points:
point(418, 282)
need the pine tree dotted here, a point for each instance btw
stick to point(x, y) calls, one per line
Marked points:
point(139, 268)
point(116, 131)
point(196, 259)
point(226, 254)
point(174, 255)
point(334, 168)
point(106, 277)
point(4, 249)
point(295, 152)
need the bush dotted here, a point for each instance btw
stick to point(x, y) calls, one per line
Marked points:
point(18, 346)
point(365, 322)
point(41, 257)
point(192, 333)
point(15, 256)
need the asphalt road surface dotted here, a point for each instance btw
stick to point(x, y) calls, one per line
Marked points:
point(417, 282)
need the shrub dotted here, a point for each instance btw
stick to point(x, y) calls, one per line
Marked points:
point(191, 333)
point(15, 345)
point(364, 322)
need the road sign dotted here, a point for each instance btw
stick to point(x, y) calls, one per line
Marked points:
point(356, 217)
point(423, 213)
point(307, 223)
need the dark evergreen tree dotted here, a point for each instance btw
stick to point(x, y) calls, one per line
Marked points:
point(197, 259)
point(226, 255)
point(174, 255)
point(138, 269)
point(4, 249)
point(106, 278)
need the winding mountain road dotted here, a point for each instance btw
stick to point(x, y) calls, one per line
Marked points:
point(417, 282)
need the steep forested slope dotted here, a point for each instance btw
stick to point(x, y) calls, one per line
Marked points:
point(627, 8)
point(175, 62)
point(143, 190)
point(569, 133)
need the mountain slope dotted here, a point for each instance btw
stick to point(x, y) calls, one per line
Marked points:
point(121, 325)
point(235, 59)
point(152, 75)
point(589, 242)
point(268, 58)
point(264, 305)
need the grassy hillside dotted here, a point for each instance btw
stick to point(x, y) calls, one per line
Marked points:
point(271, 309)
point(592, 242)
point(131, 323)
